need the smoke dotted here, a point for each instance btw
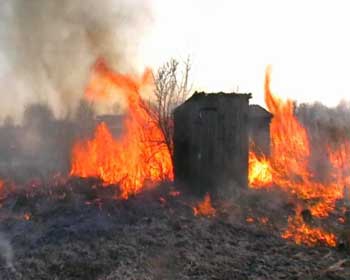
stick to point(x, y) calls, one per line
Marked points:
point(6, 252)
point(47, 48)
point(327, 127)
point(318, 115)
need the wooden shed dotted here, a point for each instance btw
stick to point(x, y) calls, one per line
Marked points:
point(211, 141)
point(259, 129)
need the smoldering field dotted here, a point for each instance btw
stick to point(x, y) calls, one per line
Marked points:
point(74, 229)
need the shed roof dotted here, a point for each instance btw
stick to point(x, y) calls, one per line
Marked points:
point(256, 111)
point(199, 96)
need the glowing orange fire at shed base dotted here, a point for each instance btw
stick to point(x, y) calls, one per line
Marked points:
point(205, 207)
point(259, 171)
point(139, 158)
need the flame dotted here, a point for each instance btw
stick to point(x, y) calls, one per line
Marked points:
point(259, 171)
point(136, 158)
point(174, 193)
point(2, 190)
point(261, 220)
point(302, 233)
point(288, 165)
point(205, 207)
point(264, 220)
point(341, 220)
point(27, 216)
point(288, 168)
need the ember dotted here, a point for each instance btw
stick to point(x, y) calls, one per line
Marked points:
point(341, 220)
point(27, 216)
point(174, 193)
point(204, 208)
point(264, 220)
point(139, 157)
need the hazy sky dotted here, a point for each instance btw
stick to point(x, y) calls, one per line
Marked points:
point(46, 51)
point(232, 41)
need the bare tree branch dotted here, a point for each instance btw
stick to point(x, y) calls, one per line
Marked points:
point(171, 90)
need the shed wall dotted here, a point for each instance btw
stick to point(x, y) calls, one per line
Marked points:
point(211, 142)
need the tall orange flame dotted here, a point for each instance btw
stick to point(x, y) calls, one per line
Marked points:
point(136, 158)
point(289, 160)
point(288, 166)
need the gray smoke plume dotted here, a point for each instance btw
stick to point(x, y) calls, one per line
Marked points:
point(330, 124)
point(48, 46)
point(327, 127)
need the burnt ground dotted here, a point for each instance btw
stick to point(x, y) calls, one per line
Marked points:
point(76, 230)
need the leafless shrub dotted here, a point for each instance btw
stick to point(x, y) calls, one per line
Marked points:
point(171, 89)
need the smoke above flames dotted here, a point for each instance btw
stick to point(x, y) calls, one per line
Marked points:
point(47, 48)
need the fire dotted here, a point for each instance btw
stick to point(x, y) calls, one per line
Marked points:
point(288, 165)
point(2, 190)
point(27, 216)
point(205, 207)
point(259, 171)
point(174, 193)
point(302, 233)
point(261, 220)
point(288, 168)
point(136, 159)
point(264, 220)
point(341, 220)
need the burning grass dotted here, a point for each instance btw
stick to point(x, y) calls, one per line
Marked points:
point(77, 230)
point(139, 158)
point(288, 168)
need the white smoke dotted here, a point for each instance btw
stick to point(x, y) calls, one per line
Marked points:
point(48, 46)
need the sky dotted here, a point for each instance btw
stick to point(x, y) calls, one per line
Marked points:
point(47, 47)
point(231, 42)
